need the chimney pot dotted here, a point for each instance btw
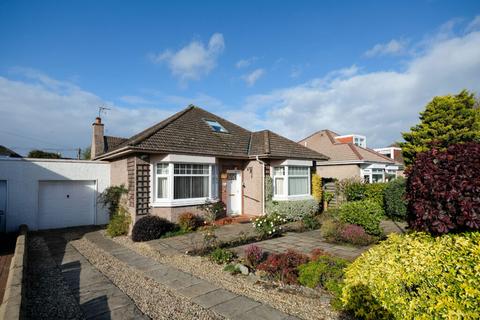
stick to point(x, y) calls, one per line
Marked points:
point(98, 120)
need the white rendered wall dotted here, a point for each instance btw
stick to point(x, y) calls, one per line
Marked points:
point(23, 176)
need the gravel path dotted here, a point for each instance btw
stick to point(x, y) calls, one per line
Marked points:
point(48, 295)
point(152, 298)
point(307, 304)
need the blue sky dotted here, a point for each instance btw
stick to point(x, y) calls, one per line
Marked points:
point(295, 67)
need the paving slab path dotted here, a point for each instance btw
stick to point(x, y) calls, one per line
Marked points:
point(62, 284)
point(307, 241)
point(199, 291)
point(192, 241)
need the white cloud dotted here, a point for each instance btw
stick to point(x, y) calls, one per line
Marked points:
point(194, 60)
point(393, 47)
point(252, 77)
point(42, 112)
point(243, 63)
point(378, 104)
point(474, 24)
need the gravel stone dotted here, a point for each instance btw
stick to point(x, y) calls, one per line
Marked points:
point(152, 298)
point(48, 295)
point(312, 305)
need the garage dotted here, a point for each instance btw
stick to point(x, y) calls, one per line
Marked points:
point(65, 204)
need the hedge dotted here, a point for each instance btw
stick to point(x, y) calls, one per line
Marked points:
point(416, 276)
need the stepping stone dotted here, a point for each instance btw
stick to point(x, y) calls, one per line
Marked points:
point(197, 289)
point(262, 312)
point(213, 298)
point(235, 306)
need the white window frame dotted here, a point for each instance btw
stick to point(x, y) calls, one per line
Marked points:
point(285, 177)
point(169, 201)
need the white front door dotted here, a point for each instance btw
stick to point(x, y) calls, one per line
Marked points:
point(3, 205)
point(234, 192)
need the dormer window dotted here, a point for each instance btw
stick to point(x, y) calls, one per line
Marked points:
point(217, 127)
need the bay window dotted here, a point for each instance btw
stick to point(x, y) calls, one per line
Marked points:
point(291, 181)
point(184, 183)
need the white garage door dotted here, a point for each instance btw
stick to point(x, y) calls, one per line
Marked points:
point(66, 204)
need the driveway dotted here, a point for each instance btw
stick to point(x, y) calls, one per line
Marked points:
point(62, 284)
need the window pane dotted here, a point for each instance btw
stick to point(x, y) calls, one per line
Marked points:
point(162, 187)
point(279, 171)
point(279, 186)
point(297, 171)
point(186, 187)
point(162, 168)
point(297, 185)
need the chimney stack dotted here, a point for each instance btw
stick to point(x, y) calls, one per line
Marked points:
point(98, 142)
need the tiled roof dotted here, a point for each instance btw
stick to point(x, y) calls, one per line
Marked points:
point(188, 132)
point(325, 143)
point(112, 142)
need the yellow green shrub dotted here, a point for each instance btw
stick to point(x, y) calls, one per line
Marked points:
point(317, 187)
point(416, 276)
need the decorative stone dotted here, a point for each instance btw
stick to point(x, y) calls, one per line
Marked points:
point(243, 269)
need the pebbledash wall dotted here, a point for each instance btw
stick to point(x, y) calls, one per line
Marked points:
point(126, 172)
point(24, 175)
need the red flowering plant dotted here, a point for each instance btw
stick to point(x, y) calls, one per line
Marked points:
point(253, 255)
point(284, 266)
point(355, 235)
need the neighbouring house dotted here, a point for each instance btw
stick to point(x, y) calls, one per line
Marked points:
point(394, 152)
point(195, 156)
point(350, 157)
point(7, 153)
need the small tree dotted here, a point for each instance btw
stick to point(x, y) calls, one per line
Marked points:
point(446, 120)
point(443, 190)
point(86, 153)
point(40, 154)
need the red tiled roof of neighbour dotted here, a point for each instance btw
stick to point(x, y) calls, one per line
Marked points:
point(188, 132)
point(338, 151)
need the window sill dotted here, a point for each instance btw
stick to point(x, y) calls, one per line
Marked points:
point(293, 198)
point(180, 202)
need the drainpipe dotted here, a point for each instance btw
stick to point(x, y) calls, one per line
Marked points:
point(263, 184)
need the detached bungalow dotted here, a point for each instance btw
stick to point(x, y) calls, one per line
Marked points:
point(195, 156)
point(349, 157)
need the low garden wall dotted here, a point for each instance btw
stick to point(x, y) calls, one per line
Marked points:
point(12, 306)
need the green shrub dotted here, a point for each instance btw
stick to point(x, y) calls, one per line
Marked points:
point(231, 268)
point(394, 199)
point(293, 210)
point(325, 272)
point(354, 190)
point(119, 223)
point(310, 222)
point(416, 276)
point(375, 192)
point(111, 198)
point(365, 213)
point(221, 256)
point(331, 229)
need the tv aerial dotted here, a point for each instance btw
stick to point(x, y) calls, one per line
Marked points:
point(102, 110)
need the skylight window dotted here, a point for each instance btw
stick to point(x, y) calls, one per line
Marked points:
point(217, 127)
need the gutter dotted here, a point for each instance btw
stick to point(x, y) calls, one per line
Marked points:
point(263, 183)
